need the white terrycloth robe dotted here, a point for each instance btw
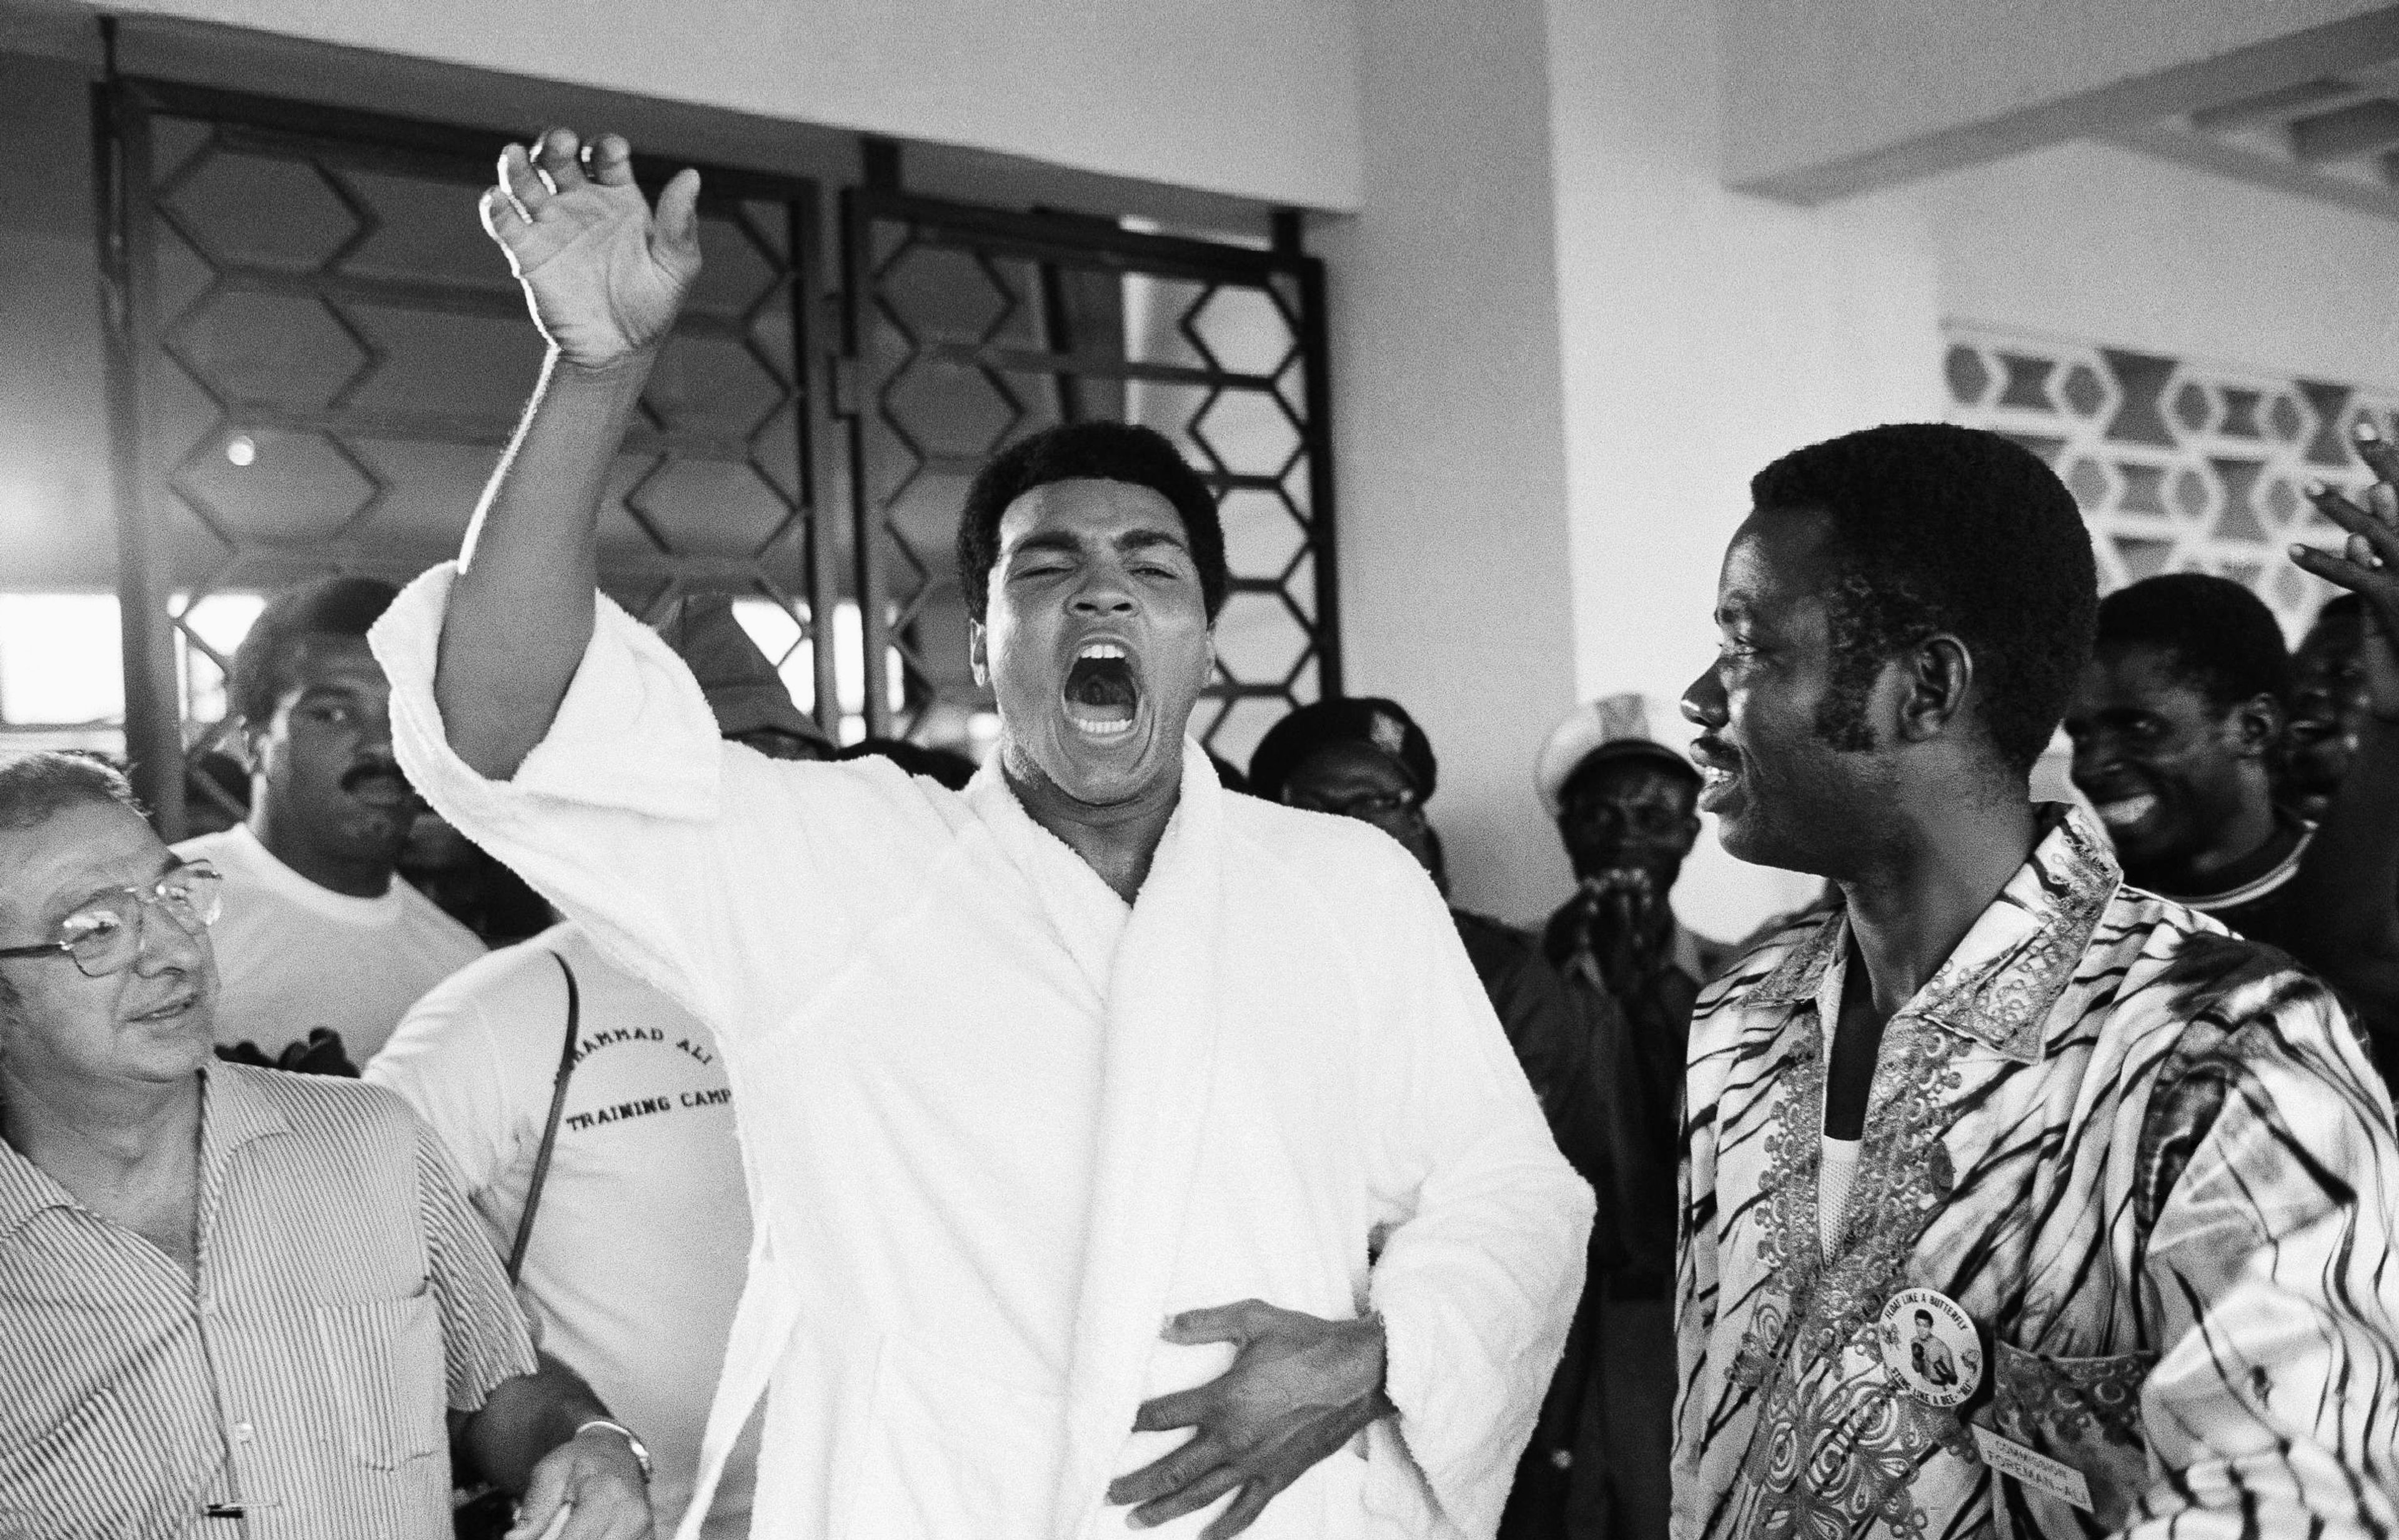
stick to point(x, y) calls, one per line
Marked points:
point(998, 1125)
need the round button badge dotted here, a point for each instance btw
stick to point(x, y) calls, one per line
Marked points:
point(1929, 1346)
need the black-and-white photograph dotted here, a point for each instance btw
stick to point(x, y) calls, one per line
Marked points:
point(1311, 769)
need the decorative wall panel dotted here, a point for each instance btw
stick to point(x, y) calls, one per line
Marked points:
point(2179, 465)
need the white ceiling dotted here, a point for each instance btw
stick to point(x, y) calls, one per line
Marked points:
point(2333, 137)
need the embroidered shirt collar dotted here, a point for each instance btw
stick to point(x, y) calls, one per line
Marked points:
point(1998, 985)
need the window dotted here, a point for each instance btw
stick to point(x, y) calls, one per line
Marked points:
point(62, 663)
point(788, 647)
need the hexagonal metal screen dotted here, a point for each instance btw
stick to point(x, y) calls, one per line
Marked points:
point(2179, 465)
point(328, 354)
point(973, 328)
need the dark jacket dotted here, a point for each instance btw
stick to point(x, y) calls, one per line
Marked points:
point(1553, 1033)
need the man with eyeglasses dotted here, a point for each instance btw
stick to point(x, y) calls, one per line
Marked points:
point(1366, 758)
point(233, 1301)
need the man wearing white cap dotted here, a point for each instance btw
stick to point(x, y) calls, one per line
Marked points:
point(1626, 805)
point(1624, 802)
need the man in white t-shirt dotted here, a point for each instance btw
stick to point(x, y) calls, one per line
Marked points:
point(317, 932)
point(642, 1239)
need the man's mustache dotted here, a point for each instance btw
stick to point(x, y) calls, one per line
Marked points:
point(376, 772)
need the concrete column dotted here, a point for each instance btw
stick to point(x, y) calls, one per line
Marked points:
point(1703, 333)
point(1449, 439)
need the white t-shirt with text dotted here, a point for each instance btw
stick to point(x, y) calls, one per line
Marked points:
point(292, 955)
point(642, 1240)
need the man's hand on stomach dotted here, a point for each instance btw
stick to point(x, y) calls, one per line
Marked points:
point(1299, 1389)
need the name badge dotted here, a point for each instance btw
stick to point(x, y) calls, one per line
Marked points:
point(2037, 1471)
point(1929, 1346)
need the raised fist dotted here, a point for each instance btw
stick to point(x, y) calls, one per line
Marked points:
point(603, 276)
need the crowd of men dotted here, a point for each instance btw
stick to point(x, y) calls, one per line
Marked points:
point(831, 1163)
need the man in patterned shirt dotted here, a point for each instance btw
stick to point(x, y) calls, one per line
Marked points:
point(2135, 1173)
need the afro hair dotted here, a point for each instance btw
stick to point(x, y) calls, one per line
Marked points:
point(1935, 528)
point(2223, 640)
point(1100, 451)
point(330, 606)
point(2345, 607)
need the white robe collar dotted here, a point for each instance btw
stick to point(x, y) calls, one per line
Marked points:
point(1158, 1071)
point(1081, 912)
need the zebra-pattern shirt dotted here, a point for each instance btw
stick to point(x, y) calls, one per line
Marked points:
point(2151, 1163)
point(346, 1296)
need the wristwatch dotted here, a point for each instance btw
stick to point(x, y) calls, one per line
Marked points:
point(632, 1441)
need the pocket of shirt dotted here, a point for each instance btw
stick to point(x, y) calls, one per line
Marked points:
point(948, 1451)
point(383, 1361)
point(2083, 1411)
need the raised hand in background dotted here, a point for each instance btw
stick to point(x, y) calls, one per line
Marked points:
point(2348, 883)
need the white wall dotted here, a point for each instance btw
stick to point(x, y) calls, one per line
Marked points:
point(1455, 587)
point(2096, 242)
point(1253, 97)
point(1704, 332)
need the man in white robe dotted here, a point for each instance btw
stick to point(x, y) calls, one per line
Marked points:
point(1027, 1073)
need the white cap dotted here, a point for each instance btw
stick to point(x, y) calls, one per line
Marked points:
point(1629, 724)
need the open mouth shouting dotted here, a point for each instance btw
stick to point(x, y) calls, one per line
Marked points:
point(1103, 691)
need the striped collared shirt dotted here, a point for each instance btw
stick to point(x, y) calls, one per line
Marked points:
point(346, 1296)
point(2147, 1161)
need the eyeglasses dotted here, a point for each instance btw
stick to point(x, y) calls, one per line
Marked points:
point(105, 935)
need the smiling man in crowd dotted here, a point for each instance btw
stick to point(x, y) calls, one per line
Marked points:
point(233, 1301)
point(2176, 725)
point(2136, 1175)
point(2178, 733)
point(322, 946)
point(1024, 1073)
